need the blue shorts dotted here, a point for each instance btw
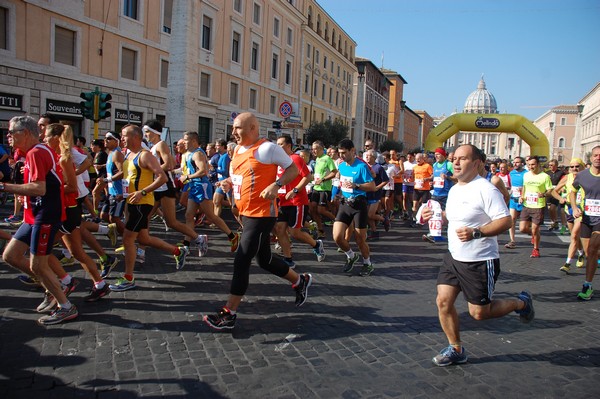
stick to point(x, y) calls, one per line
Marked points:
point(514, 204)
point(219, 190)
point(335, 191)
point(201, 192)
point(186, 188)
point(408, 189)
point(39, 237)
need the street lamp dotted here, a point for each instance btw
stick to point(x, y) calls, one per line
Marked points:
point(360, 67)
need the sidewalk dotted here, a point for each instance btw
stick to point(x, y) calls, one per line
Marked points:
point(356, 337)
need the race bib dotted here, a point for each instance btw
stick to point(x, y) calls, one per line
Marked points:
point(516, 191)
point(336, 182)
point(125, 188)
point(389, 185)
point(236, 180)
point(592, 207)
point(532, 199)
point(438, 182)
point(344, 180)
point(419, 183)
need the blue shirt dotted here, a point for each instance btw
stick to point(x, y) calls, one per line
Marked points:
point(440, 169)
point(516, 182)
point(223, 166)
point(115, 187)
point(192, 168)
point(357, 173)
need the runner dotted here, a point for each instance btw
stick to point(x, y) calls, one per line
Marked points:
point(324, 173)
point(516, 189)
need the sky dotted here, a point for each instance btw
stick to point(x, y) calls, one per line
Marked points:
point(534, 54)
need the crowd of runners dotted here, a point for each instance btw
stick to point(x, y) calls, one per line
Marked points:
point(279, 194)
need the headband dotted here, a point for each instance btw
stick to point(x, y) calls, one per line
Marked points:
point(111, 135)
point(147, 128)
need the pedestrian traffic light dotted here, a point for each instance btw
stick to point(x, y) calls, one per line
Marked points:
point(87, 105)
point(104, 105)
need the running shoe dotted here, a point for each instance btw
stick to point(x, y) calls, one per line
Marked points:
point(59, 315)
point(223, 320)
point(106, 267)
point(202, 243)
point(563, 230)
point(386, 223)
point(535, 253)
point(366, 270)
point(112, 234)
point(140, 256)
point(28, 280)
point(48, 304)
point(14, 220)
point(527, 313)
point(565, 268)
point(586, 293)
point(180, 259)
point(319, 251)
point(302, 288)
point(67, 261)
point(235, 242)
point(428, 238)
point(179, 208)
point(69, 288)
point(289, 262)
point(449, 356)
point(313, 229)
point(97, 293)
point(350, 263)
point(277, 247)
point(120, 249)
point(580, 261)
point(510, 245)
point(122, 284)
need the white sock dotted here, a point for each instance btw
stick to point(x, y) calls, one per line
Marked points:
point(66, 305)
point(66, 280)
point(367, 261)
point(66, 253)
point(100, 284)
point(350, 254)
point(102, 229)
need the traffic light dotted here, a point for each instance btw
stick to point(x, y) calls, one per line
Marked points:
point(87, 105)
point(276, 124)
point(104, 105)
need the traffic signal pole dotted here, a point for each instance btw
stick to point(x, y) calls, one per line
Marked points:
point(95, 107)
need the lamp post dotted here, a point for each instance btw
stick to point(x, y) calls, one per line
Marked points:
point(359, 125)
point(551, 140)
point(577, 140)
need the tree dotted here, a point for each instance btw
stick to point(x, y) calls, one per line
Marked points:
point(389, 145)
point(329, 133)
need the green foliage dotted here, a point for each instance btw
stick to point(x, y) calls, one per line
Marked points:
point(330, 133)
point(389, 145)
point(416, 150)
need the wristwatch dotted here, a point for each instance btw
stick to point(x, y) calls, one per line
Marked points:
point(144, 193)
point(295, 190)
point(278, 183)
point(477, 234)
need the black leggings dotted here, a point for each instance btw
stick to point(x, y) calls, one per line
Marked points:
point(255, 242)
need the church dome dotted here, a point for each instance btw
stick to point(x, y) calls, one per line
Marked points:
point(481, 101)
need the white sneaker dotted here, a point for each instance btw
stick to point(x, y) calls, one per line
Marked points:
point(202, 242)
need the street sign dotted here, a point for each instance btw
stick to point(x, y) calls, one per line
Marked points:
point(285, 109)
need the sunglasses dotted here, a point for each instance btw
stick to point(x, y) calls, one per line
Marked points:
point(574, 166)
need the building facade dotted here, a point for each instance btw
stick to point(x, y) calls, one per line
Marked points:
point(558, 125)
point(397, 105)
point(192, 64)
point(588, 126)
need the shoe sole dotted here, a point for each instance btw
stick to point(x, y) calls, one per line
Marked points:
point(216, 328)
point(116, 289)
point(584, 299)
point(71, 317)
point(449, 364)
point(305, 292)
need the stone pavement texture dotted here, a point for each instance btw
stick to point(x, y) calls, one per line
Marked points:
point(356, 337)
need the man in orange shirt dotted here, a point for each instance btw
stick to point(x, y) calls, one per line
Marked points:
point(398, 180)
point(255, 191)
point(423, 173)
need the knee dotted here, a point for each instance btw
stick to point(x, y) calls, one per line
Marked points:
point(444, 303)
point(479, 313)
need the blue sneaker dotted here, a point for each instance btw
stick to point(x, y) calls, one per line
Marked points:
point(449, 356)
point(319, 251)
point(122, 284)
point(527, 313)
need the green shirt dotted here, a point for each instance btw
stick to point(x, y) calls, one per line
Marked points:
point(535, 187)
point(323, 166)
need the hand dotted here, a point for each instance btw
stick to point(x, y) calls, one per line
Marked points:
point(290, 195)
point(135, 197)
point(426, 214)
point(318, 181)
point(577, 212)
point(464, 233)
point(270, 192)
point(563, 201)
point(183, 178)
point(520, 200)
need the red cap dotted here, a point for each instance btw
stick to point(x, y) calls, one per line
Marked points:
point(440, 150)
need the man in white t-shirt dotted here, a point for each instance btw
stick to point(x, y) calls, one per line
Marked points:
point(476, 214)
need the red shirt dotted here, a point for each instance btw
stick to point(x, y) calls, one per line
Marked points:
point(301, 197)
point(41, 164)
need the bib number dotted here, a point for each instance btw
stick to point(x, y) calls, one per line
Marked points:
point(236, 180)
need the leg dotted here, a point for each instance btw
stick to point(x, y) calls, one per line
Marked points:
point(446, 297)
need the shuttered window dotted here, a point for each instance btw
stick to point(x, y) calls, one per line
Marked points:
point(128, 64)
point(64, 45)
